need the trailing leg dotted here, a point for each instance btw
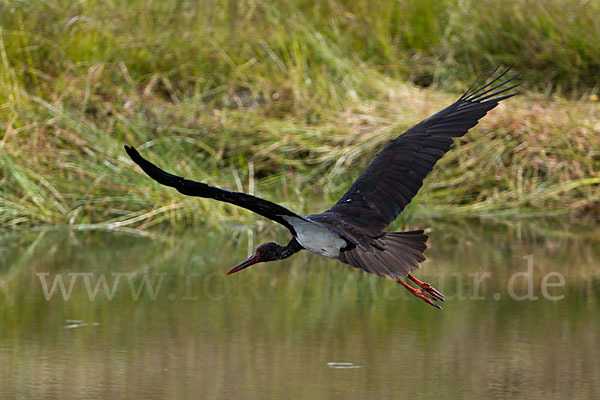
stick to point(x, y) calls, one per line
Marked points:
point(422, 294)
point(428, 288)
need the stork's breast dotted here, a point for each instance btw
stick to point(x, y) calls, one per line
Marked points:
point(317, 239)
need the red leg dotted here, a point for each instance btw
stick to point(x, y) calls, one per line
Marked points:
point(436, 294)
point(421, 294)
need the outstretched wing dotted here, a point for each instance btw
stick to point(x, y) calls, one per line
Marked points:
point(188, 187)
point(395, 176)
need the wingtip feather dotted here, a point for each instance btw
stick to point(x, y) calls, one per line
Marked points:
point(488, 91)
point(132, 152)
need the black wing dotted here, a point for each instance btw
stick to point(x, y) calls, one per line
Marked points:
point(395, 176)
point(188, 187)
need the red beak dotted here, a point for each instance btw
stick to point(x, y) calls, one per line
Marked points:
point(253, 259)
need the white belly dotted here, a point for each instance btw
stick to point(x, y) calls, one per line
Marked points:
point(317, 239)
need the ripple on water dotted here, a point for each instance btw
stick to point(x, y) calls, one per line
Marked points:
point(77, 323)
point(342, 365)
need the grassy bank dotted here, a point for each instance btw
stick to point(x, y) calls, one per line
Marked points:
point(289, 100)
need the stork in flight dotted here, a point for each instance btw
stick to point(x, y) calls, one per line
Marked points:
point(353, 229)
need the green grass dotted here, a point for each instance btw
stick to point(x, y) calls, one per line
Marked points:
point(289, 99)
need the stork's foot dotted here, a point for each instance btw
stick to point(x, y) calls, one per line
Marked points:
point(436, 294)
point(427, 293)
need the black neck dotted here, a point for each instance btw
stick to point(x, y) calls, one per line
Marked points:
point(292, 248)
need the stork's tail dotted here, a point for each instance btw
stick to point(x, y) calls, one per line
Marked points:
point(392, 255)
point(407, 246)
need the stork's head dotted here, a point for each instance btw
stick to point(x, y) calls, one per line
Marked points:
point(265, 252)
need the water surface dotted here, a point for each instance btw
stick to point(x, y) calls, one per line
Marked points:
point(304, 328)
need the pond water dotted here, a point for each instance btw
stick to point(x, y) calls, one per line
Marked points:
point(522, 319)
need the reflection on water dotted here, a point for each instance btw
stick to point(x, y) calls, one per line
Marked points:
point(158, 318)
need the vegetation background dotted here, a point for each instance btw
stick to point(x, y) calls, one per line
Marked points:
point(289, 100)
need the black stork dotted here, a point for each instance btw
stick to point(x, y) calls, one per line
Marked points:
point(353, 229)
